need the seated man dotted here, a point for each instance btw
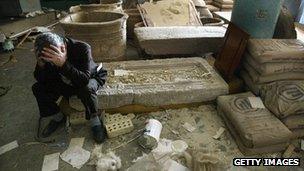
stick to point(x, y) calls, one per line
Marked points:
point(64, 68)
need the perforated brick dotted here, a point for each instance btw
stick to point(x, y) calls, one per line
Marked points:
point(112, 118)
point(77, 118)
point(119, 127)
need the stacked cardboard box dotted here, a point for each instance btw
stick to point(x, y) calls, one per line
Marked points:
point(223, 4)
point(270, 60)
point(274, 69)
point(256, 130)
point(285, 99)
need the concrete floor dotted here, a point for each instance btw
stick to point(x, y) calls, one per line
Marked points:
point(19, 119)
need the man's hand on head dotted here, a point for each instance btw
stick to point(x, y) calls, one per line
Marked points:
point(56, 55)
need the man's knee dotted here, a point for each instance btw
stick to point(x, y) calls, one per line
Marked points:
point(88, 90)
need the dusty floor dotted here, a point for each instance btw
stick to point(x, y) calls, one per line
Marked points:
point(19, 118)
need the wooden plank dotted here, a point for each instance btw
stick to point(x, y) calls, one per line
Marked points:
point(142, 15)
point(229, 57)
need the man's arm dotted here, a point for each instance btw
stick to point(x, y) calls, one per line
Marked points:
point(45, 73)
point(79, 76)
point(40, 73)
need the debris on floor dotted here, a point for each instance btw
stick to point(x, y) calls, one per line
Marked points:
point(8, 147)
point(76, 142)
point(160, 157)
point(75, 155)
point(219, 133)
point(289, 151)
point(188, 127)
point(50, 162)
point(104, 162)
point(206, 162)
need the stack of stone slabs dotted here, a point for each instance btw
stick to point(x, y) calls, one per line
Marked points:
point(160, 82)
point(256, 131)
point(182, 40)
point(285, 99)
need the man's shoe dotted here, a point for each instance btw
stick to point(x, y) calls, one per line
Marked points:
point(99, 133)
point(51, 127)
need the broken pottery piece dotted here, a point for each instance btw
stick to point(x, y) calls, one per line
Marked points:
point(219, 133)
point(179, 146)
point(188, 127)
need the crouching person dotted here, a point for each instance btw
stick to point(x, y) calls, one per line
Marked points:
point(64, 68)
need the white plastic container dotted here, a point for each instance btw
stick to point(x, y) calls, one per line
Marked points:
point(151, 134)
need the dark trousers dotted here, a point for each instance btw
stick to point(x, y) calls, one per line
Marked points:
point(47, 95)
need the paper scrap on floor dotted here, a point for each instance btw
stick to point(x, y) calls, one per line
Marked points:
point(76, 142)
point(163, 148)
point(75, 155)
point(8, 147)
point(171, 165)
point(50, 162)
point(256, 102)
point(188, 127)
point(219, 133)
point(158, 159)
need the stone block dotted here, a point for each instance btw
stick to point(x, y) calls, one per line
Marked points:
point(180, 40)
point(161, 82)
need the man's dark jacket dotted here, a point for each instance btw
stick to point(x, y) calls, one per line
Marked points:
point(79, 67)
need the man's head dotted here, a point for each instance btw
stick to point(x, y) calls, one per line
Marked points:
point(44, 40)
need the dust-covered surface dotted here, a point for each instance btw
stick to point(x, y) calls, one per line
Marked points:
point(160, 75)
point(160, 82)
point(181, 40)
point(181, 32)
point(206, 122)
point(169, 13)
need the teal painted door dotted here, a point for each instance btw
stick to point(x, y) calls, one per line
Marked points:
point(256, 17)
